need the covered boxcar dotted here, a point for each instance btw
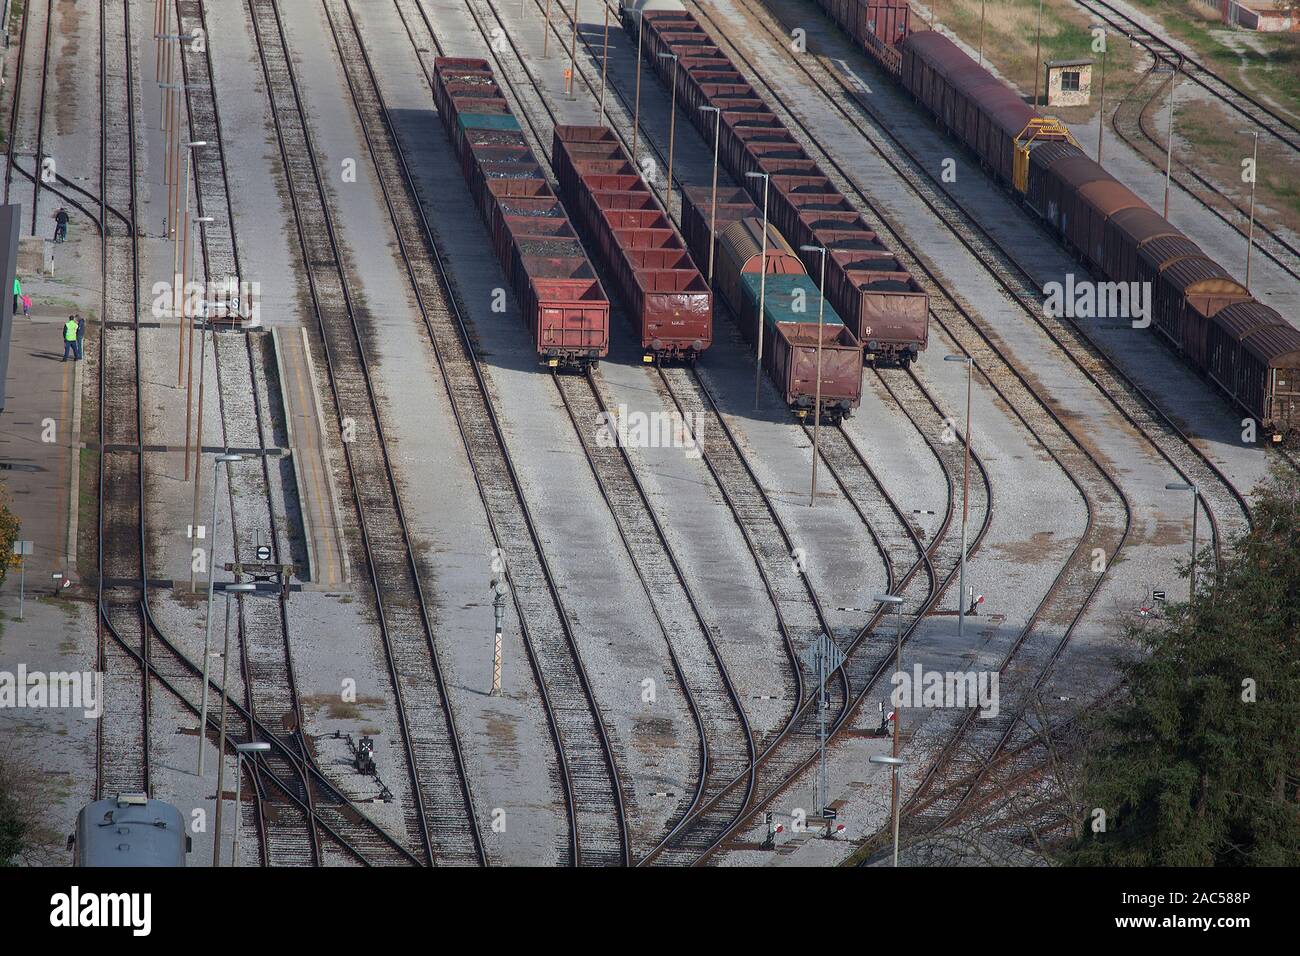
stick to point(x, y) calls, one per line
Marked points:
point(560, 297)
point(669, 302)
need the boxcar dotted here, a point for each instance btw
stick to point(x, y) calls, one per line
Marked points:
point(560, 297)
point(1199, 308)
point(1128, 231)
point(1253, 354)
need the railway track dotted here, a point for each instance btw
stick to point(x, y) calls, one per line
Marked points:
point(1034, 653)
point(979, 743)
point(440, 814)
point(1259, 113)
point(1132, 123)
point(291, 836)
point(800, 617)
point(726, 740)
point(719, 817)
point(134, 664)
point(27, 132)
point(122, 764)
point(588, 767)
point(335, 816)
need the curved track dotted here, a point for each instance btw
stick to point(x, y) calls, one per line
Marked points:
point(1259, 113)
point(441, 816)
point(1133, 124)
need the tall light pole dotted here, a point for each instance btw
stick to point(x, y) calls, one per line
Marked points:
point(713, 204)
point(198, 431)
point(893, 763)
point(1196, 500)
point(221, 745)
point(897, 603)
point(672, 130)
point(1254, 175)
point(1169, 147)
point(1101, 112)
point(178, 272)
point(636, 112)
point(817, 391)
point(546, 33)
point(982, 6)
point(762, 287)
point(604, 67)
point(1038, 46)
point(252, 750)
point(212, 580)
point(965, 493)
point(573, 50)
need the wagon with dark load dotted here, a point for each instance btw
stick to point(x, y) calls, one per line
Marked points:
point(559, 294)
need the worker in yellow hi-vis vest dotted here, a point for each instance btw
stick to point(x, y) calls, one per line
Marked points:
point(70, 340)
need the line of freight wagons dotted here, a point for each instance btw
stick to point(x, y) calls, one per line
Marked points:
point(559, 293)
point(791, 306)
point(670, 302)
point(1245, 347)
point(878, 299)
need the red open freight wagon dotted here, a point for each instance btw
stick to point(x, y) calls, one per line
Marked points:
point(669, 302)
point(559, 294)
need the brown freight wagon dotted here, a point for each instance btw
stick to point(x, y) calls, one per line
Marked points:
point(561, 300)
point(1253, 354)
point(1191, 290)
point(1152, 259)
point(669, 302)
point(1088, 207)
point(1040, 194)
point(1270, 378)
point(885, 308)
point(1128, 231)
point(1224, 353)
point(793, 338)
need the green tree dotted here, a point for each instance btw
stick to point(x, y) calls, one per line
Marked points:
point(1200, 762)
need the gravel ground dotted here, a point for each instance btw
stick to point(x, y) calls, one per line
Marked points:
point(506, 741)
point(619, 644)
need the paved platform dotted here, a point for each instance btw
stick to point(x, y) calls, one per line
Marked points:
point(327, 558)
point(39, 447)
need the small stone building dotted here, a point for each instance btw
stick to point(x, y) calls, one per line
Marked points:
point(1069, 82)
